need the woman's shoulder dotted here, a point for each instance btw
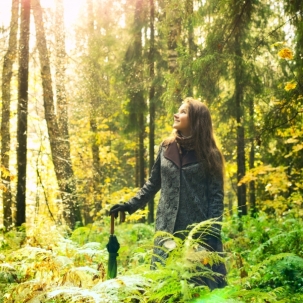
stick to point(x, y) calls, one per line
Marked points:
point(167, 141)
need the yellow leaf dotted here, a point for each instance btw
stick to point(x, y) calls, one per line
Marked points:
point(290, 85)
point(291, 140)
point(298, 147)
point(279, 43)
point(5, 171)
point(3, 187)
point(286, 53)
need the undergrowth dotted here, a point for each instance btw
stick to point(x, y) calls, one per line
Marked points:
point(263, 256)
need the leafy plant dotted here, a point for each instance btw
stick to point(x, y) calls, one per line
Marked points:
point(286, 272)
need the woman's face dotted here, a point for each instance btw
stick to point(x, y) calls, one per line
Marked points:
point(181, 121)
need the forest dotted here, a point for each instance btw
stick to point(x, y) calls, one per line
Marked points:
point(88, 93)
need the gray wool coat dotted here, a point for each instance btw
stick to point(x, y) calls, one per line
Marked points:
point(188, 194)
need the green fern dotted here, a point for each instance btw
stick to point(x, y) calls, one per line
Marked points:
point(187, 262)
point(285, 271)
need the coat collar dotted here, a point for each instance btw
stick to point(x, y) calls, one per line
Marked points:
point(172, 153)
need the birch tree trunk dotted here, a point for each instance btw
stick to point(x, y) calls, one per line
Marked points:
point(58, 142)
point(7, 73)
point(22, 112)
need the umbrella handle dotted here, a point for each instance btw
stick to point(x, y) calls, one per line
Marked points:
point(112, 221)
point(112, 224)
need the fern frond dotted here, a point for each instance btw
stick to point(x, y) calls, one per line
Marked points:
point(73, 295)
point(273, 240)
point(30, 253)
point(26, 291)
point(8, 273)
point(89, 254)
point(203, 229)
point(269, 260)
point(123, 288)
point(81, 277)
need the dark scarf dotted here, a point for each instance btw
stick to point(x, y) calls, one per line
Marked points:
point(185, 143)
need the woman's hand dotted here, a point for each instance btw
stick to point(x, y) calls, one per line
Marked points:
point(118, 207)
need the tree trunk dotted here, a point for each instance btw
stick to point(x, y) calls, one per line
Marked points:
point(152, 110)
point(191, 44)
point(137, 171)
point(62, 106)
point(241, 191)
point(172, 43)
point(252, 186)
point(98, 178)
point(22, 112)
point(62, 109)
point(138, 97)
point(7, 73)
point(141, 148)
point(133, 73)
point(58, 145)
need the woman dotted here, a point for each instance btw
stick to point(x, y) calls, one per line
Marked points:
point(189, 171)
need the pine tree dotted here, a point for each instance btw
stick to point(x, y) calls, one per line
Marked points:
point(22, 111)
point(59, 144)
point(7, 74)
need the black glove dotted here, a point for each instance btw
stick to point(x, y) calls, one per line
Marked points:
point(118, 207)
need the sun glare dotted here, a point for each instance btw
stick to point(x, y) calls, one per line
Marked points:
point(5, 12)
point(71, 10)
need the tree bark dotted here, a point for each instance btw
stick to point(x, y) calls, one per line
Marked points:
point(241, 190)
point(174, 23)
point(62, 109)
point(62, 106)
point(152, 107)
point(62, 166)
point(252, 185)
point(98, 178)
point(141, 148)
point(7, 73)
point(191, 44)
point(22, 112)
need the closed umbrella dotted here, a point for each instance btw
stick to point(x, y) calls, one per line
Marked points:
point(113, 247)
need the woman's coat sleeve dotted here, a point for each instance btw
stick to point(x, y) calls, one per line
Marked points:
point(149, 189)
point(216, 200)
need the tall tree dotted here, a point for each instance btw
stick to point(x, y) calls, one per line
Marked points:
point(59, 144)
point(191, 46)
point(152, 103)
point(94, 96)
point(173, 19)
point(62, 109)
point(295, 10)
point(7, 73)
point(238, 97)
point(252, 184)
point(134, 72)
point(22, 111)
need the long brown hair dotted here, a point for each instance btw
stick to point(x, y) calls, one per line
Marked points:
point(202, 134)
